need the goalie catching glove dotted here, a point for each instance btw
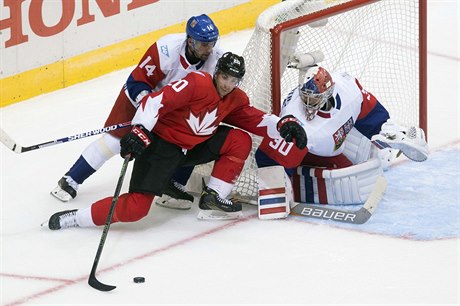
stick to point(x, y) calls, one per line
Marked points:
point(410, 141)
point(135, 142)
point(290, 128)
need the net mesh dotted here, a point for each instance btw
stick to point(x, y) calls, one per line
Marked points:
point(377, 43)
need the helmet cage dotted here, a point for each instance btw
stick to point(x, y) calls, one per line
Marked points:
point(316, 90)
point(312, 101)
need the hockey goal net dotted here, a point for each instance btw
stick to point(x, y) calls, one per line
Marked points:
point(382, 43)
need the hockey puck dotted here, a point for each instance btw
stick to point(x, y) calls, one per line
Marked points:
point(139, 279)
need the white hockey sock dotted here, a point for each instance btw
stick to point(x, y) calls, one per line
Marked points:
point(101, 150)
point(221, 187)
point(84, 218)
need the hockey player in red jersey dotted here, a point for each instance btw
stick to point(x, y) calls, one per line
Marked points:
point(170, 58)
point(181, 126)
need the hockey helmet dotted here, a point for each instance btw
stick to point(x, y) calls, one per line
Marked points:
point(231, 64)
point(316, 90)
point(202, 28)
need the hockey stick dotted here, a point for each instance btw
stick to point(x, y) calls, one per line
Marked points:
point(346, 216)
point(92, 281)
point(354, 217)
point(15, 147)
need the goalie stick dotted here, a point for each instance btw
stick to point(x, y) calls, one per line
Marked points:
point(359, 216)
point(92, 280)
point(346, 216)
point(15, 147)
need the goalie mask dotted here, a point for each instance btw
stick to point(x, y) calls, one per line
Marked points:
point(316, 90)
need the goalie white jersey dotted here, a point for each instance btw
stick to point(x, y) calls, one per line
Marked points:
point(328, 130)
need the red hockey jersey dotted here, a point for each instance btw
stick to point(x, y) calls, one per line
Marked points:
point(188, 111)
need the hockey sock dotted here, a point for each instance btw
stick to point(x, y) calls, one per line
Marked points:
point(130, 207)
point(80, 171)
point(233, 154)
point(222, 188)
point(93, 157)
point(84, 218)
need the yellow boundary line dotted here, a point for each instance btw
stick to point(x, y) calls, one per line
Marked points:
point(95, 63)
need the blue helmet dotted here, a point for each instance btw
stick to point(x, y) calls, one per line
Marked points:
point(202, 28)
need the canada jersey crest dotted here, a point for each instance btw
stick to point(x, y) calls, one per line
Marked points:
point(203, 125)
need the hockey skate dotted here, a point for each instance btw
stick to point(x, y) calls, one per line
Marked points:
point(410, 141)
point(66, 189)
point(63, 219)
point(175, 197)
point(213, 207)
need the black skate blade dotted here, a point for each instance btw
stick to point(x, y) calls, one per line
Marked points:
point(93, 282)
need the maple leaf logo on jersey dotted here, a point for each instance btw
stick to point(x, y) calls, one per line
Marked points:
point(270, 122)
point(205, 126)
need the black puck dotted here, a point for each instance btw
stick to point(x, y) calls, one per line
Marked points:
point(139, 279)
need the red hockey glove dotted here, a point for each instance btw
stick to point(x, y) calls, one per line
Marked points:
point(290, 128)
point(135, 142)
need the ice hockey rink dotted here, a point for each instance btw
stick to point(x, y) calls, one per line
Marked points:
point(408, 253)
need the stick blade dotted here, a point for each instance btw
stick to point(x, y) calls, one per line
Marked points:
point(9, 142)
point(93, 282)
point(376, 195)
point(360, 216)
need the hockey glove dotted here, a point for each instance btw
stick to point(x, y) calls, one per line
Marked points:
point(135, 142)
point(290, 128)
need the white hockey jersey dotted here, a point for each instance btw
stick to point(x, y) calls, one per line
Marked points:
point(328, 130)
point(173, 62)
point(163, 63)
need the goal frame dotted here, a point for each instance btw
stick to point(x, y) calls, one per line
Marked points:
point(342, 8)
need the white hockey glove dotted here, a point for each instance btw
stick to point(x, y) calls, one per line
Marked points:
point(411, 141)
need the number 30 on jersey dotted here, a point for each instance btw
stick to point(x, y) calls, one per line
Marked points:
point(281, 146)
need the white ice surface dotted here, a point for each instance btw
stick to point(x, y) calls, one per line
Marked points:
point(189, 262)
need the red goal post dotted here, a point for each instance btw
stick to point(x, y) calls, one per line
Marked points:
point(382, 43)
point(394, 24)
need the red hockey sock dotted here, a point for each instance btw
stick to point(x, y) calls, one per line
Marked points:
point(130, 207)
point(233, 154)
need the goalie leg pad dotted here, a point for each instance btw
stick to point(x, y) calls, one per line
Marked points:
point(275, 193)
point(357, 147)
point(350, 185)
